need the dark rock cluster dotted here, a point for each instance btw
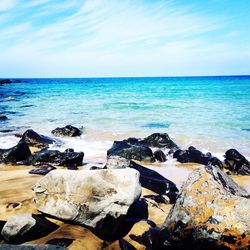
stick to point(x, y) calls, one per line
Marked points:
point(67, 131)
point(21, 154)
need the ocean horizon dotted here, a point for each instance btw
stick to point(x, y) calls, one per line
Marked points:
point(114, 77)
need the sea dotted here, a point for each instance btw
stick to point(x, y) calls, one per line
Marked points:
point(210, 113)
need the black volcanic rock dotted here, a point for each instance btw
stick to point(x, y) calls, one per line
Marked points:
point(152, 180)
point(34, 139)
point(5, 81)
point(66, 131)
point(158, 140)
point(160, 156)
point(55, 157)
point(236, 162)
point(194, 155)
point(131, 151)
point(140, 149)
point(15, 154)
point(43, 170)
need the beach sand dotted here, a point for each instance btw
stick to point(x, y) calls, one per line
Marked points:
point(16, 187)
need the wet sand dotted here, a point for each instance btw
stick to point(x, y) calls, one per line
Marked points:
point(16, 187)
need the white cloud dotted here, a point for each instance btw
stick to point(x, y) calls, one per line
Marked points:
point(35, 3)
point(7, 4)
point(100, 37)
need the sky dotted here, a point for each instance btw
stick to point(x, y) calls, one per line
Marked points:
point(112, 38)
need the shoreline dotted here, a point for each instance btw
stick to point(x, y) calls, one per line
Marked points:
point(96, 143)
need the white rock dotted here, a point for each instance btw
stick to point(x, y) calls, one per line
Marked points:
point(87, 196)
point(18, 225)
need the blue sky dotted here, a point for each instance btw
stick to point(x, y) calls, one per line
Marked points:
point(95, 38)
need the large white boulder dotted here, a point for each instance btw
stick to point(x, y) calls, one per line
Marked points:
point(86, 197)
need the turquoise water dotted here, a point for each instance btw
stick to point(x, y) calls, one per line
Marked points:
point(208, 111)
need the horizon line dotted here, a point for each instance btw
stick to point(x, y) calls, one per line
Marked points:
point(103, 77)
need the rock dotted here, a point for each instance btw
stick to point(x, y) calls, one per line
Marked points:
point(152, 180)
point(158, 198)
point(87, 197)
point(124, 245)
point(236, 162)
point(159, 140)
point(33, 139)
point(55, 157)
point(2, 223)
point(110, 228)
point(196, 156)
point(148, 237)
point(69, 150)
point(24, 227)
point(211, 212)
point(66, 131)
point(117, 162)
point(13, 205)
point(3, 118)
point(15, 154)
point(131, 151)
point(72, 167)
point(139, 149)
point(95, 168)
point(43, 170)
point(4, 81)
point(160, 156)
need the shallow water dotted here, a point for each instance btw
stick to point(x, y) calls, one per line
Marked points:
point(211, 113)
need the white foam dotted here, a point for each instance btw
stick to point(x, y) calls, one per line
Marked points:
point(94, 150)
point(8, 141)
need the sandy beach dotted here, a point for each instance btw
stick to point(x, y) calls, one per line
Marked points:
point(17, 197)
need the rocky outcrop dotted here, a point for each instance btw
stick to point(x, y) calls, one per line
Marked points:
point(55, 157)
point(211, 212)
point(131, 151)
point(5, 81)
point(236, 162)
point(23, 227)
point(15, 154)
point(66, 131)
point(34, 139)
point(87, 197)
point(194, 155)
point(43, 170)
point(159, 140)
point(140, 149)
